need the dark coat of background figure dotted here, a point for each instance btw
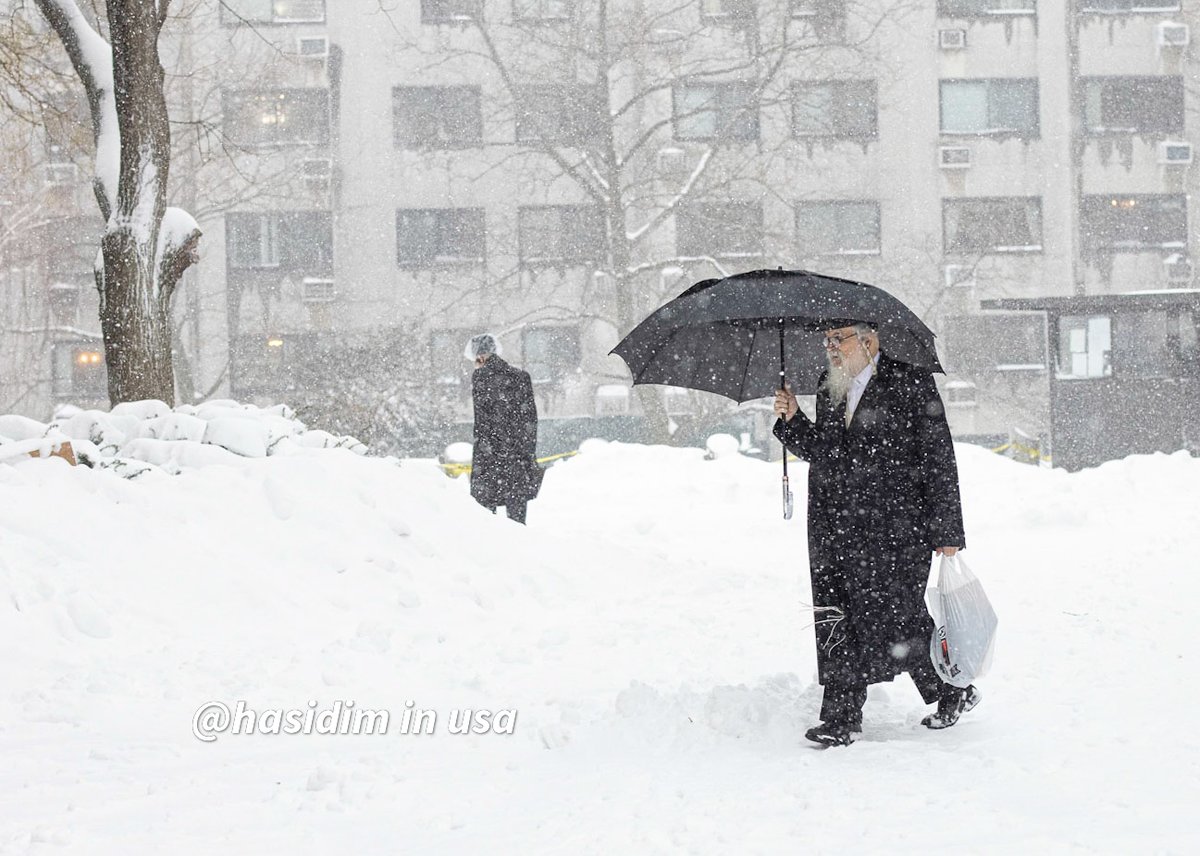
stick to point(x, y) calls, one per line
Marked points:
point(882, 496)
point(504, 469)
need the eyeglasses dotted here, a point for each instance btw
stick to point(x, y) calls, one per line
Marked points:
point(834, 340)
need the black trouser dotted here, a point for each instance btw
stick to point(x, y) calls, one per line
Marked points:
point(843, 700)
point(514, 508)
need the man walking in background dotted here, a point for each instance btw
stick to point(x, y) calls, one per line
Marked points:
point(882, 497)
point(504, 469)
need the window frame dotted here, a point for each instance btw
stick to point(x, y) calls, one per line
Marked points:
point(520, 17)
point(978, 250)
point(439, 260)
point(229, 96)
point(1093, 203)
point(945, 9)
point(577, 104)
point(1034, 133)
point(838, 89)
point(553, 376)
point(432, 18)
point(562, 259)
point(229, 18)
point(1149, 9)
point(877, 250)
point(693, 209)
point(1098, 131)
point(439, 111)
point(722, 112)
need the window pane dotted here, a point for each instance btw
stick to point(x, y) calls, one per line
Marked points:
point(1012, 105)
point(729, 229)
point(550, 353)
point(436, 116)
point(299, 10)
point(964, 107)
point(695, 112)
point(858, 112)
point(812, 110)
point(1084, 346)
point(1134, 222)
point(433, 11)
point(992, 225)
point(837, 227)
point(539, 231)
point(267, 117)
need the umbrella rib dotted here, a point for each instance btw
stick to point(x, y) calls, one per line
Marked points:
point(746, 369)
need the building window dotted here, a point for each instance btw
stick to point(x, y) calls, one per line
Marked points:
point(268, 117)
point(236, 12)
point(293, 241)
point(985, 8)
point(1131, 223)
point(69, 246)
point(447, 354)
point(837, 228)
point(1113, 6)
point(79, 370)
point(542, 10)
point(714, 111)
point(550, 353)
point(994, 341)
point(561, 114)
point(726, 230)
point(570, 234)
point(961, 394)
point(1133, 105)
point(450, 11)
point(828, 9)
point(436, 117)
point(843, 109)
point(996, 225)
point(1084, 346)
point(1001, 106)
point(727, 10)
point(426, 237)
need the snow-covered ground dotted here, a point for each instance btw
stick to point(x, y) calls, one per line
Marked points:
point(648, 629)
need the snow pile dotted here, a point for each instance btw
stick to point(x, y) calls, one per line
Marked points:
point(138, 437)
point(648, 627)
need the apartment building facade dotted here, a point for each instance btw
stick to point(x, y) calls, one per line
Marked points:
point(410, 176)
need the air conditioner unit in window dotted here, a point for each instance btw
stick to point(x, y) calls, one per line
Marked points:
point(1173, 35)
point(958, 276)
point(316, 172)
point(316, 290)
point(952, 40)
point(954, 157)
point(313, 47)
point(1175, 153)
point(61, 174)
point(1178, 269)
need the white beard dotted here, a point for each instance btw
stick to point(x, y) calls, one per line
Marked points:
point(840, 377)
point(837, 383)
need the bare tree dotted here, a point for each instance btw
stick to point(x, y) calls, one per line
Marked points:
point(146, 246)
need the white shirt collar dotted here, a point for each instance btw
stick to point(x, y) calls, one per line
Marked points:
point(859, 385)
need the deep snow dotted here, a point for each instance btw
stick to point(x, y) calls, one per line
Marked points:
point(647, 626)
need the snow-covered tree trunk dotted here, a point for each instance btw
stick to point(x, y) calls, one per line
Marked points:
point(146, 246)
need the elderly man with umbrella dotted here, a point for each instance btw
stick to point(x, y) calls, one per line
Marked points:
point(883, 484)
point(882, 495)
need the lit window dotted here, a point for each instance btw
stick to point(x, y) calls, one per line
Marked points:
point(272, 11)
point(277, 116)
point(1134, 222)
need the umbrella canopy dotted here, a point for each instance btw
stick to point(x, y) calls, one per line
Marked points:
point(725, 335)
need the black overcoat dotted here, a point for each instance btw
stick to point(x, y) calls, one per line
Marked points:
point(882, 495)
point(503, 459)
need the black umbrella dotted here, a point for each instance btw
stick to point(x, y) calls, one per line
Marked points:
point(742, 335)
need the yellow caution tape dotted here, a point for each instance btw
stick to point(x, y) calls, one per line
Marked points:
point(455, 470)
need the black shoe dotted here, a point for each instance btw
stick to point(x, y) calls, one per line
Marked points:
point(953, 704)
point(833, 733)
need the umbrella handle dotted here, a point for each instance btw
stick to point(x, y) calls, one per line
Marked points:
point(787, 491)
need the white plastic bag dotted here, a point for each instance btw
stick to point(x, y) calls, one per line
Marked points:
point(964, 624)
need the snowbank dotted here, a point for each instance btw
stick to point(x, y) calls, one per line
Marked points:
point(647, 627)
point(135, 437)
